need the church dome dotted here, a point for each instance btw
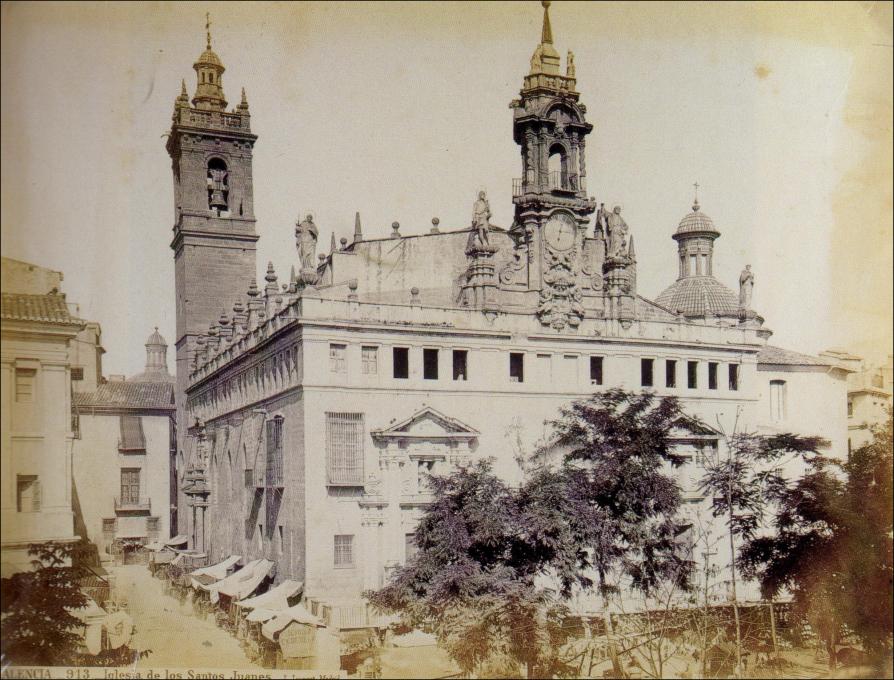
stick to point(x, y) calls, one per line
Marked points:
point(696, 222)
point(209, 58)
point(698, 296)
point(156, 339)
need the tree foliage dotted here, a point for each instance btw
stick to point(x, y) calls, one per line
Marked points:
point(831, 545)
point(38, 628)
point(597, 505)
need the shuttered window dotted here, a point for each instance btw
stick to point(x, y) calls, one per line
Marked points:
point(130, 486)
point(27, 493)
point(344, 550)
point(132, 438)
point(274, 476)
point(344, 448)
point(25, 378)
point(370, 360)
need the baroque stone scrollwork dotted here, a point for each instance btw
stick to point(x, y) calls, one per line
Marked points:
point(514, 271)
point(560, 299)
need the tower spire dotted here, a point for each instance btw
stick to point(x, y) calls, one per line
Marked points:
point(695, 205)
point(547, 34)
point(208, 29)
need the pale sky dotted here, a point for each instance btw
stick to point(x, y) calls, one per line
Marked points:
point(781, 113)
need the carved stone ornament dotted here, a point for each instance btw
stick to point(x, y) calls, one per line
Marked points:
point(560, 299)
point(513, 272)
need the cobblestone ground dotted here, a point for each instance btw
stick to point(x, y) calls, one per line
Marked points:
point(177, 638)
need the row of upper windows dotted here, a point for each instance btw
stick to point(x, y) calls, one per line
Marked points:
point(431, 362)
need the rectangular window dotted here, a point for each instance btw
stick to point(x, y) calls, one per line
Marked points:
point(569, 371)
point(401, 362)
point(460, 364)
point(712, 375)
point(76, 425)
point(25, 378)
point(516, 367)
point(131, 437)
point(430, 364)
point(109, 526)
point(777, 399)
point(77, 372)
point(344, 448)
point(274, 476)
point(850, 408)
point(130, 486)
point(27, 493)
point(544, 369)
point(646, 370)
point(693, 268)
point(692, 374)
point(409, 546)
point(369, 358)
point(595, 370)
point(337, 358)
point(344, 550)
point(734, 376)
point(670, 373)
point(152, 528)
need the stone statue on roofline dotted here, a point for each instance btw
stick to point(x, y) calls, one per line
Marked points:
point(306, 234)
point(616, 233)
point(746, 287)
point(481, 219)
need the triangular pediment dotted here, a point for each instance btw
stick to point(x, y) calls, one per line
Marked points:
point(427, 422)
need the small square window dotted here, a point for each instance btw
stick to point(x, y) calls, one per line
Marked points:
point(692, 374)
point(670, 373)
point(337, 362)
point(516, 367)
point(734, 376)
point(595, 370)
point(712, 375)
point(401, 362)
point(647, 367)
point(460, 364)
point(430, 364)
point(344, 550)
point(77, 372)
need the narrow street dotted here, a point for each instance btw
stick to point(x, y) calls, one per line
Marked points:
point(176, 637)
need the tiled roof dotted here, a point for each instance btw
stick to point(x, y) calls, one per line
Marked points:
point(143, 395)
point(42, 308)
point(647, 310)
point(776, 355)
point(691, 295)
point(696, 221)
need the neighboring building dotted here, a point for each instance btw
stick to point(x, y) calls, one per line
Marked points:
point(869, 400)
point(125, 437)
point(311, 411)
point(38, 332)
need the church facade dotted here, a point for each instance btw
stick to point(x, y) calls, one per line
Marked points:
point(312, 410)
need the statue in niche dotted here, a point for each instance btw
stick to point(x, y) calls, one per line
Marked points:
point(481, 219)
point(570, 70)
point(746, 286)
point(616, 233)
point(306, 233)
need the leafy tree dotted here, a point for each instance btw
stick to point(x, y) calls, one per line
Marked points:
point(38, 628)
point(604, 510)
point(832, 548)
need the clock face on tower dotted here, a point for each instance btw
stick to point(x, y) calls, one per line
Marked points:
point(560, 231)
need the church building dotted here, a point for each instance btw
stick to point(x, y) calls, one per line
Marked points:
point(312, 409)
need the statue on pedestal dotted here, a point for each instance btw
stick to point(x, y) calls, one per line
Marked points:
point(481, 219)
point(746, 286)
point(306, 233)
point(616, 233)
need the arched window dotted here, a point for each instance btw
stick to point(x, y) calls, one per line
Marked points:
point(218, 186)
point(558, 167)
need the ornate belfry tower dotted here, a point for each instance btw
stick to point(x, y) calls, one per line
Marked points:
point(551, 202)
point(214, 221)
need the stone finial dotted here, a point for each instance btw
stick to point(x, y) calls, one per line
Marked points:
point(332, 243)
point(243, 105)
point(253, 291)
point(546, 35)
point(631, 251)
point(434, 225)
point(223, 321)
point(414, 294)
point(358, 232)
point(344, 243)
point(395, 230)
point(321, 258)
point(352, 286)
point(270, 277)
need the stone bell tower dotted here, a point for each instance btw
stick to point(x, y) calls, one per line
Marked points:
point(214, 219)
point(551, 202)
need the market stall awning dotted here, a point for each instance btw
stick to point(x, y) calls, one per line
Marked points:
point(243, 582)
point(179, 539)
point(216, 572)
point(298, 614)
point(276, 598)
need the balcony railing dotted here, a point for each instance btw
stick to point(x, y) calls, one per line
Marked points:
point(126, 504)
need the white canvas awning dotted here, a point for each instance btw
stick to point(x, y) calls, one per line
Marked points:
point(298, 614)
point(179, 539)
point(243, 582)
point(275, 599)
point(260, 615)
point(218, 570)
